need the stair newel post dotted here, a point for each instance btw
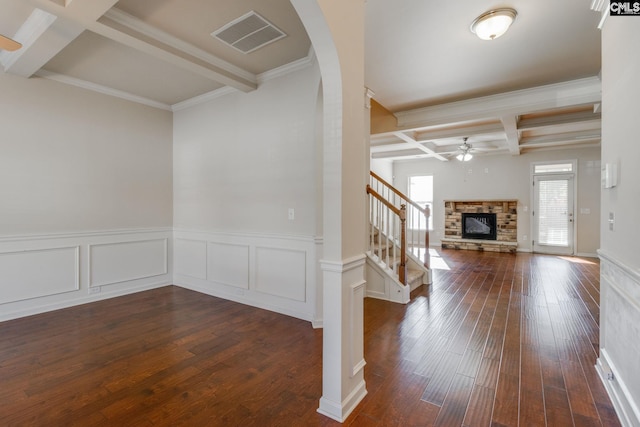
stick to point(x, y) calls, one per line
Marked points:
point(402, 273)
point(426, 236)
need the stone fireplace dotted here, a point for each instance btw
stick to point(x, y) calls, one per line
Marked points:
point(482, 225)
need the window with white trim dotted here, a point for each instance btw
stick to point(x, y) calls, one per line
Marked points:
point(421, 192)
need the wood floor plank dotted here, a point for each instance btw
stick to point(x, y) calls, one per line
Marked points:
point(498, 339)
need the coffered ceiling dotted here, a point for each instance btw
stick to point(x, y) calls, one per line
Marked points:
point(536, 87)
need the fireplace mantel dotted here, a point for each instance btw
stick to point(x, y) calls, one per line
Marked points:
point(506, 221)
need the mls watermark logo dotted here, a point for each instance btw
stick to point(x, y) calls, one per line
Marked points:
point(624, 8)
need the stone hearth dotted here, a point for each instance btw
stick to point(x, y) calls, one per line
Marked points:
point(506, 222)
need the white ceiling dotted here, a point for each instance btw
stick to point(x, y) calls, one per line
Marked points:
point(422, 62)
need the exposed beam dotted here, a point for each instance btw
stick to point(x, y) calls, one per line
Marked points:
point(43, 36)
point(576, 92)
point(84, 14)
point(415, 144)
point(560, 119)
point(563, 138)
point(234, 76)
point(510, 123)
point(457, 131)
point(49, 29)
point(397, 154)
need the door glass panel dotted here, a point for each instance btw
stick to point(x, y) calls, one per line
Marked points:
point(553, 227)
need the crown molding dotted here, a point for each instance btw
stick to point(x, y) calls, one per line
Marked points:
point(204, 98)
point(101, 89)
point(291, 67)
point(285, 69)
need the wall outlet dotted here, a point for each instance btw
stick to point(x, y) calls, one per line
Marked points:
point(612, 220)
point(292, 214)
point(94, 290)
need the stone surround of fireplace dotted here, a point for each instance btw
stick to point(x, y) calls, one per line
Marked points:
point(506, 225)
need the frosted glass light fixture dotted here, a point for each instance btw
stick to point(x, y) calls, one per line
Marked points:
point(465, 152)
point(494, 23)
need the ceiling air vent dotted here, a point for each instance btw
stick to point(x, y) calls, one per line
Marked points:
point(248, 33)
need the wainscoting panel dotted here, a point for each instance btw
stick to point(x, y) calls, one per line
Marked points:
point(56, 271)
point(190, 258)
point(619, 363)
point(125, 261)
point(281, 272)
point(229, 264)
point(273, 272)
point(41, 273)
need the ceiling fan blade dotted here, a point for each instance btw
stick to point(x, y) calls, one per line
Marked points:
point(9, 44)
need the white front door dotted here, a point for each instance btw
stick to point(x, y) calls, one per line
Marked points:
point(553, 216)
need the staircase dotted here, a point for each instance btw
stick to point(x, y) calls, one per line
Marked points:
point(397, 255)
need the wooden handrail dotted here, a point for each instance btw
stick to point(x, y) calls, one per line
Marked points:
point(402, 214)
point(399, 193)
point(425, 211)
point(384, 201)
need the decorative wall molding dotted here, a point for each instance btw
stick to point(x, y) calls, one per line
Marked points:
point(228, 264)
point(356, 346)
point(58, 272)
point(281, 272)
point(53, 271)
point(270, 271)
point(118, 262)
point(618, 363)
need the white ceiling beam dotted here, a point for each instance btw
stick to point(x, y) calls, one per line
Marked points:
point(412, 143)
point(457, 132)
point(563, 138)
point(160, 38)
point(43, 36)
point(576, 92)
point(175, 57)
point(398, 154)
point(510, 123)
point(584, 117)
point(85, 14)
point(46, 32)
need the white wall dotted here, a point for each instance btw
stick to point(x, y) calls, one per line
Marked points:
point(383, 168)
point(620, 262)
point(508, 177)
point(86, 193)
point(240, 163)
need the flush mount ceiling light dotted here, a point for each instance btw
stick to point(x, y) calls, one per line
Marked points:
point(494, 23)
point(465, 152)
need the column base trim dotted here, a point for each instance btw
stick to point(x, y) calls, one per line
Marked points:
point(340, 411)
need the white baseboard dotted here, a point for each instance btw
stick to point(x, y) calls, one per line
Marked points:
point(625, 407)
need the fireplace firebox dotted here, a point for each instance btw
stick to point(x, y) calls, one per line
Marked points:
point(479, 226)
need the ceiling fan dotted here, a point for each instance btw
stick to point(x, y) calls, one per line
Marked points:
point(465, 151)
point(9, 44)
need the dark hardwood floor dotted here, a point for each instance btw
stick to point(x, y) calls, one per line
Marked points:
point(497, 340)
